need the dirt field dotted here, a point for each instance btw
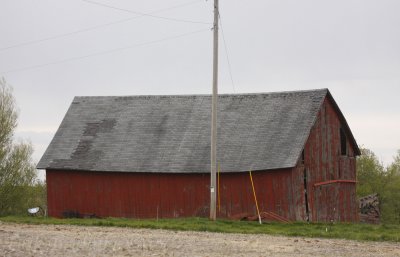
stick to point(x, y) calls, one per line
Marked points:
point(48, 240)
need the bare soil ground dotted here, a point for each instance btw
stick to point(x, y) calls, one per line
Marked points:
point(61, 240)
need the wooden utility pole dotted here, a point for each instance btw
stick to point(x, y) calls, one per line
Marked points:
point(213, 191)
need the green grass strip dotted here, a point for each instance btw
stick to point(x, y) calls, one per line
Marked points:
point(362, 232)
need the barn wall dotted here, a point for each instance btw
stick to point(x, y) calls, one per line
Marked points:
point(139, 195)
point(148, 195)
point(273, 191)
point(331, 187)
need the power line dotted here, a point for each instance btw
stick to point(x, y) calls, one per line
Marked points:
point(144, 14)
point(65, 34)
point(94, 27)
point(227, 55)
point(104, 52)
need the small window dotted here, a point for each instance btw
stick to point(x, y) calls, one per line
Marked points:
point(302, 157)
point(343, 142)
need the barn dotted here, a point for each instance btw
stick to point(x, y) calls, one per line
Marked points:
point(149, 157)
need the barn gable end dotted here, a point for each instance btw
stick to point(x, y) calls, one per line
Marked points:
point(327, 168)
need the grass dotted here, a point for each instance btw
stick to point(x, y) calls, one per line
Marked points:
point(363, 232)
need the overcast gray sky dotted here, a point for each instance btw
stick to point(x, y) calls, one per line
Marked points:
point(51, 51)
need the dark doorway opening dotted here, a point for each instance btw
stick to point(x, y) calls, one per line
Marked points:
point(343, 142)
point(306, 196)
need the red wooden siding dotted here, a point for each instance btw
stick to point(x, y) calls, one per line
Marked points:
point(139, 195)
point(144, 195)
point(273, 190)
point(331, 186)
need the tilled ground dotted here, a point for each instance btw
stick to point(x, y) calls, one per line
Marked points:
point(58, 240)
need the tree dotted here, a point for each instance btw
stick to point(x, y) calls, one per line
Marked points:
point(370, 173)
point(373, 178)
point(391, 205)
point(17, 171)
point(395, 166)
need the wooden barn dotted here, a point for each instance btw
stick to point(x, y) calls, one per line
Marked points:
point(149, 156)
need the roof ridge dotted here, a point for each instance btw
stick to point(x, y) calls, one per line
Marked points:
point(207, 95)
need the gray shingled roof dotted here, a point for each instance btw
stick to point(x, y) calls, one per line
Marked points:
point(172, 133)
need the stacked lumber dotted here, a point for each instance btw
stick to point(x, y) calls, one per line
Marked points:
point(272, 216)
point(369, 209)
point(265, 216)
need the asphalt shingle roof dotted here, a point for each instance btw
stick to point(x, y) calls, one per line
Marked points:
point(172, 133)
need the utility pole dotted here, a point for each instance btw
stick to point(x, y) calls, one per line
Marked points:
point(213, 191)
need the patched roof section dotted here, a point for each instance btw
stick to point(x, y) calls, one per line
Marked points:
point(172, 133)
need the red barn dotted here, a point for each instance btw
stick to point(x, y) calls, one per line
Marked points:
point(149, 156)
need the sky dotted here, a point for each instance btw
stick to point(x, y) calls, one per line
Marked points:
point(51, 51)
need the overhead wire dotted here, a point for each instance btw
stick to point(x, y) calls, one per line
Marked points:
point(227, 54)
point(104, 52)
point(95, 27)
point(144, 14)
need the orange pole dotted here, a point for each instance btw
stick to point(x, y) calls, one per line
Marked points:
point(255, 197)
point(219, 199)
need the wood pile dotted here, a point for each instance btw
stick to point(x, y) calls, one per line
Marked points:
point(369, 209)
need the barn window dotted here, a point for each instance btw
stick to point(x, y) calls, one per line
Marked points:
point(343, 142)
